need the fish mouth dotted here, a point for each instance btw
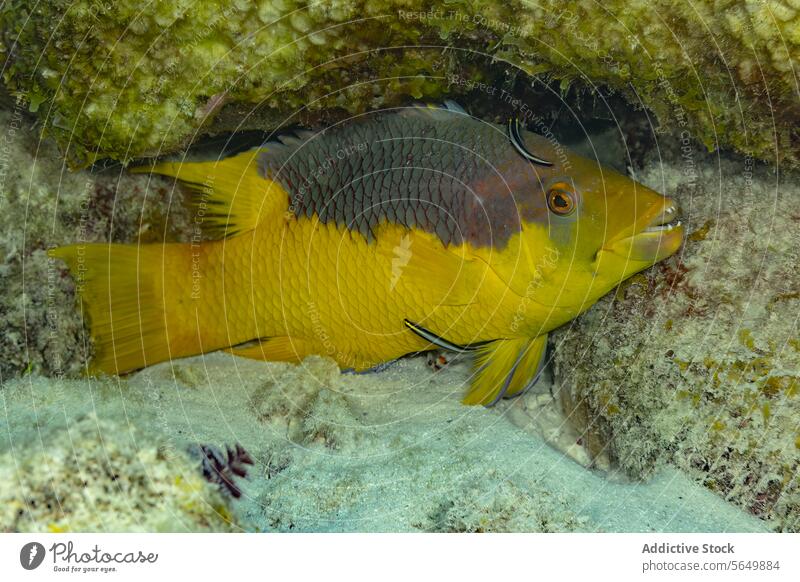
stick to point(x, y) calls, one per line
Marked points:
point(659, 237)
point(664, 221)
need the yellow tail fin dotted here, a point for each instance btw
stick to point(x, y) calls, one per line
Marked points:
point(133, 321)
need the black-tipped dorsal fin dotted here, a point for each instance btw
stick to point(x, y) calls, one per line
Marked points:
point(230, 195)
point(446, 111)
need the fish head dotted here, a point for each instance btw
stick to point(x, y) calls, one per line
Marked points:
point(589, 227)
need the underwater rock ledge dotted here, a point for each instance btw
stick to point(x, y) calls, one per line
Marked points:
point(696, 362)
point(121, 82)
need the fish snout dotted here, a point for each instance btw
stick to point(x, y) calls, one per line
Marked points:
point(659, 237)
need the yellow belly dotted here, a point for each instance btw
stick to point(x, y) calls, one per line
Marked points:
point(335, 293)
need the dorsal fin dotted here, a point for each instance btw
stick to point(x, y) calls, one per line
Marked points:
point(230, 195)
point(447, 110)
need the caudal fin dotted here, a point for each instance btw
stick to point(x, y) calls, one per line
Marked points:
point(122, 291)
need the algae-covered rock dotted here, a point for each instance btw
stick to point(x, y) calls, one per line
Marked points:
point(697, 361)
point(123, 80)
point(84, 474)
point(42, 204)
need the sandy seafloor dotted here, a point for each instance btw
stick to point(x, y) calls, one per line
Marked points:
point(394, 451)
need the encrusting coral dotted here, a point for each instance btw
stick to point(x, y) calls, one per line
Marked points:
point(121, 81)
point(95, 476)
point(41, 201)
point(697, 361)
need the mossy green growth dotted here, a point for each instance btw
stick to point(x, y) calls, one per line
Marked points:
point(119, 80)
point(115, 80)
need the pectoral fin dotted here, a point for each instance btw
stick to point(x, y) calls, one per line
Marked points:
point(439, 341)
point(506, 368)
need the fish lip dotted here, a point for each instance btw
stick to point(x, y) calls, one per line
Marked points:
point(664, 220)
point(662, 229)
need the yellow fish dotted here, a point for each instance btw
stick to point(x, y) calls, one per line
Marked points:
point(396, 232)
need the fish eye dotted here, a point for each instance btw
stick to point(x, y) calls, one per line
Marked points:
point(561, 199)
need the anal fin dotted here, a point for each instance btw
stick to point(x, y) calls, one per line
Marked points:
point(506, 368)
point(274, 349)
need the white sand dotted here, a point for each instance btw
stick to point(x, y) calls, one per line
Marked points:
point(393, 451)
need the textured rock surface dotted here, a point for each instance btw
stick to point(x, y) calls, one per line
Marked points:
point(390, 452)
point(66, 470)
point(43, 203)
point(118, 80)
point(696, 363)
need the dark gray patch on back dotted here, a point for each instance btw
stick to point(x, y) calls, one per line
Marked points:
point(436, 170)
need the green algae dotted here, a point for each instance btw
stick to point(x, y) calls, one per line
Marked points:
point(124, 82)
point(702, 232)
